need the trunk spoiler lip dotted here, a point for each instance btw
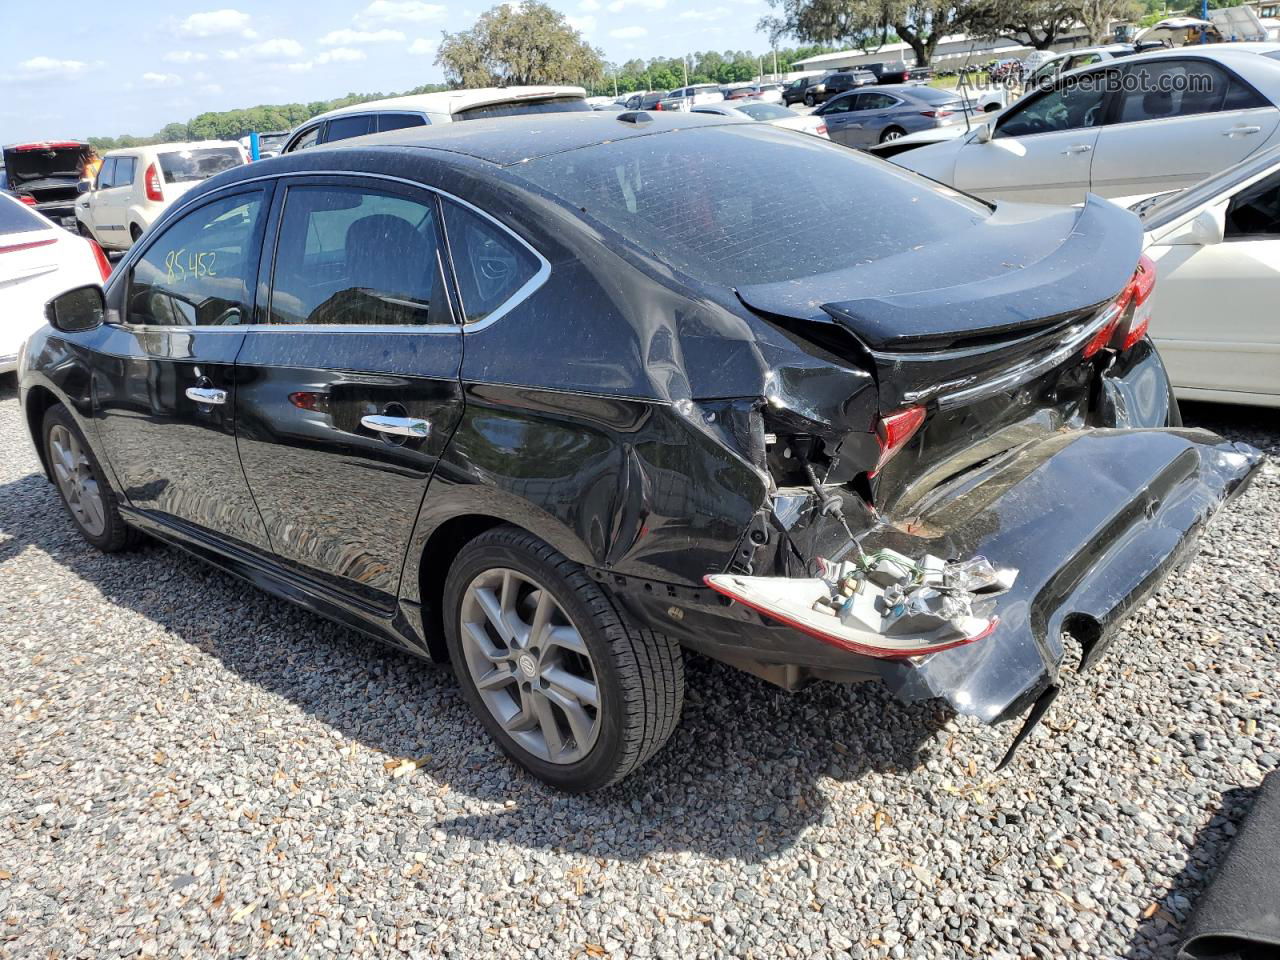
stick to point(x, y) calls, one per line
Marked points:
point(1039, 287)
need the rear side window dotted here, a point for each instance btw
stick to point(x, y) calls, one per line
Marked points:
point(15, 218)
point(199, 271)
point(550, 105)
point(125, 168)
point(490, 264)
point(399, 121)
point(876, 101)
point(189, 166)
point(308, 139)
point(678, 198)
point(1174, 88)
point(343, 128)
point(106, 174)
point(355, 255)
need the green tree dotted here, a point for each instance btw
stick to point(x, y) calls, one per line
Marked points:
point(870, 23)
point(1097, 15)
point(1041, 23)
point(519, 44)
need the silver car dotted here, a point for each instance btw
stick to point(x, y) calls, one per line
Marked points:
point(862, 118)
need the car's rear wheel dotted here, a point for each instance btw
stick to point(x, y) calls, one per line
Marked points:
point(85, 231)
point(892, 133)
point(135, 232)
point(567, 687)
point(808, 100)
point(81, 483)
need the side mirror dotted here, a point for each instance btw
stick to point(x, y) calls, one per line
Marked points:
point(1206, 229)
point(983, 133)
point(80, 309)
point(84, 186)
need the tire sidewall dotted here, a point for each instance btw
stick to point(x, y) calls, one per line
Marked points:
point(58, 416)
point(595, 769)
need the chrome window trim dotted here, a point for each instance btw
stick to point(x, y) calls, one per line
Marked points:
point(530, 287)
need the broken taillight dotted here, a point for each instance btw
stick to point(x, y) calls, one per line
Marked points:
point(894, 430)
point(1131, 312)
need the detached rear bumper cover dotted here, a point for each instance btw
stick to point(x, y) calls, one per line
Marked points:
point(1093, 521)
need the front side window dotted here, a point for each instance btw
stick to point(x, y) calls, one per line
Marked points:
point(107, 175)
point(490, 264)
point(839, 105)
point(356, 255)
point(1254, 213)
point(200, 270)
point(344, 128)
point(1075, 104)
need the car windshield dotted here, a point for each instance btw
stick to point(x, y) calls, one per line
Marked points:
point(15, 218)
point(766, 111)
point(188, 166)
point(520, 107)
point(677, 197)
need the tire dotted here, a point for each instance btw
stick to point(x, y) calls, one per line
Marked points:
point(808, 100)
point(85, 231)
point(991, 108)
point(82, 485)
point(892, 133)
point(135, 232)
point(635, 675)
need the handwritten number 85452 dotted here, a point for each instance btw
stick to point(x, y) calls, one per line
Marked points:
point(183, 264)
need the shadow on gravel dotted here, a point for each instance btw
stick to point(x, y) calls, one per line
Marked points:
point(739, 779)
point(1160, 934)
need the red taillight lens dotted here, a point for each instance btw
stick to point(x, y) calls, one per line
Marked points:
point(935, 113)
point(29, 200)
point(1144, 282)
point(894, 430)
point(100, 258)
point(154, 190)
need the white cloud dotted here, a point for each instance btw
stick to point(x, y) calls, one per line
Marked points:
point(400, 11)
point(715, 13)
point(46, 65)
point(185, 56)
point(340, 55)
point(422, 47)
point(278, 48)
point(217, 23)
point(161, 80)
point(348, 37)
point(629, 33)
point(582, 24)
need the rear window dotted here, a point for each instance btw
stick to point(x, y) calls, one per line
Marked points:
point(678, 197)
point(519, 108)
point(15, 218)
point(934, 95)
point(766, 111)
point(187, 166)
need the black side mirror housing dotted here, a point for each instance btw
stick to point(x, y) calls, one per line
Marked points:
point(80, 309)
point(84, 186)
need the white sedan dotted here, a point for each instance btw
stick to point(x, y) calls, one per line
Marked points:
point(38, 261)
point(1143, 124)
point(772, 113)
point(1216, 249)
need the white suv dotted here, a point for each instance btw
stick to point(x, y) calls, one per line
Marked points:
point(135, 185)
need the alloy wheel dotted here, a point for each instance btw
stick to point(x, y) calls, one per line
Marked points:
point(530, 665)
point(73, 471)
point(892, 135)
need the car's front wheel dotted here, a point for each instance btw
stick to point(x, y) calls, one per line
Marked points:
point(891, 134)
point(808, 100)
point(565, 685)
point(84, 488)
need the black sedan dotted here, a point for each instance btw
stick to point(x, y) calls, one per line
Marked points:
point(553, 398)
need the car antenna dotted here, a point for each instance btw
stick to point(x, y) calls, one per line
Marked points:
point(963, 86)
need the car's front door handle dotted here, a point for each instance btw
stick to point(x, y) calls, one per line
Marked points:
point(206, 395)
point(1078, 148)
point(1241, 131)
point(397, 426)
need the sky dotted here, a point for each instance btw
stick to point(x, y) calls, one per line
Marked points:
point(111, 69)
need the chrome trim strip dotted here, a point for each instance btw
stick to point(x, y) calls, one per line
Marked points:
point(523, 293)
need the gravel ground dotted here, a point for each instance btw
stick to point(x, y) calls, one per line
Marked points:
point(191, 768)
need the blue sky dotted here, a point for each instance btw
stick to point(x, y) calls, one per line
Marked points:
point(130, 68)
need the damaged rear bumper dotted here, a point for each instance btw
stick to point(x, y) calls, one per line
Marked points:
point(1091, 520)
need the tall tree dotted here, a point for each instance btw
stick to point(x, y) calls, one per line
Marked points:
point(1097, 15)
point(918, 23)
point(515, 44)
point(1039, 23)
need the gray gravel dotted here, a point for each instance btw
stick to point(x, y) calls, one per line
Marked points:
point(192, 768)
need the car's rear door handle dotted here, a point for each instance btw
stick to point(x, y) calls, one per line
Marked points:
point(206, 395)
point(397, 426)
point(1078, 148)
point(1241, 131)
